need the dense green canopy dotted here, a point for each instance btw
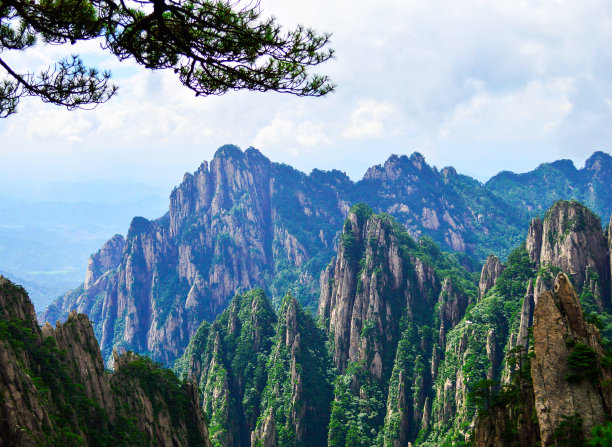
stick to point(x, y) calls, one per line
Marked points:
point(213, 46)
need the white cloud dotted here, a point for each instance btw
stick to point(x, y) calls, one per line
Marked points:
point(454, 80)
point(535, 108)
point(369, 120)
point(282, 133)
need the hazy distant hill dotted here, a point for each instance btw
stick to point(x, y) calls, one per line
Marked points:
point(539, 189)
point(45, 243)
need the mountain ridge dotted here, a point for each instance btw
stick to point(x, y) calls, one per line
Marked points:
point(424, 353)
point(55, 390)
point(243, 221)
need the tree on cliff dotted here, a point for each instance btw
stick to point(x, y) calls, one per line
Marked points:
point(213, 46)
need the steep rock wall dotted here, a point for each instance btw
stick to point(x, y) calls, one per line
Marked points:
point(55, 390)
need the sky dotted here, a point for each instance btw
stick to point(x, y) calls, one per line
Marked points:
point(483, 86)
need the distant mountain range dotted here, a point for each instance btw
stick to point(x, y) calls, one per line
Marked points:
point(47, 236)
point(243, 221)
point(539, 189)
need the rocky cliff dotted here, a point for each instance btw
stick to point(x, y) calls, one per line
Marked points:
point(55, 390)
point(242, 221)
point(570, 238)
point(265, 379)
point(564, 382)
point(387, 303)
point(541, 330)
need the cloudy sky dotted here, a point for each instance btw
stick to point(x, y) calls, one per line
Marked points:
point(481, 85)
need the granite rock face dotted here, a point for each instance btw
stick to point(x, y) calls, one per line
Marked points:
point(564, 379)
point(241, 222)
point(223, 359)
point(298, 393)
point(54, 387)
point(491, 270)
point(561, 387)
point(563, 373)
point(570, 238)
point(107, 258)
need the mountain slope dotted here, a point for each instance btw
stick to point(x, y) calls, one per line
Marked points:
point(243, 221)
point(560, 180)
point(55, 391)
point(264, 376)
point(416, 350)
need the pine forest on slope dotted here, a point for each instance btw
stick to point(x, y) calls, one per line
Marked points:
point(55, 391)
point(416, 350)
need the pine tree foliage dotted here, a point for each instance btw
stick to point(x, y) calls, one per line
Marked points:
point(213, 46)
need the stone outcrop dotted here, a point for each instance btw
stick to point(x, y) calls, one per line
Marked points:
point(570, 238)
point(526, 323)
point(509, 424)
point(562, 388)
point(562, 382)
point(491, 270)
point(54, 387)
point(164, 421)
point(451, 308)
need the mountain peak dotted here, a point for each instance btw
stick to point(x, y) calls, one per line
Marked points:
point(253, 152)
point(228, 150)
point(138, 226)
point(598, 161)
point(418, 160)
point(448, 172)
point(396, 166)
point(564, 165)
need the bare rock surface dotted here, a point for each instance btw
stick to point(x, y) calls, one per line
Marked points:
point(559, 329)
point(491, 270)
point(571, 238)
point(54, 387)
